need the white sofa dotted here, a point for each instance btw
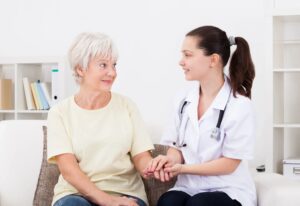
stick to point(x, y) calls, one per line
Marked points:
point(21, 145)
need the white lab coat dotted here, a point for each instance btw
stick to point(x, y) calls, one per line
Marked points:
point(236, 141)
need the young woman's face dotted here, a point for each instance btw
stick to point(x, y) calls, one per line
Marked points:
point(194, 63)
point(100, 74)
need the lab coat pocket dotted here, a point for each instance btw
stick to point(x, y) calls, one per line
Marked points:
point(211, 146)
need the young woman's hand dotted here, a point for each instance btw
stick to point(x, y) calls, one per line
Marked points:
point(173, 170)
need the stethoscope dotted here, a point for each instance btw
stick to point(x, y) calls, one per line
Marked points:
point(215, 133)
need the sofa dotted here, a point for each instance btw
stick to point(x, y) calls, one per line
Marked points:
point(27, 179)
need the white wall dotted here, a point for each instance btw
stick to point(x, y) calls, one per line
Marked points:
point(148, 35)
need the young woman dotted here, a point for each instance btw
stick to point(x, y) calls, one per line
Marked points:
point(97, 137)
point(212, 132)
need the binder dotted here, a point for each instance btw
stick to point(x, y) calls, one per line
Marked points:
point(56, 87)
point(6, 94)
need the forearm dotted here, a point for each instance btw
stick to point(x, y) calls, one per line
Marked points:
point(221, 166)
point(141, 161)
point(72, 173)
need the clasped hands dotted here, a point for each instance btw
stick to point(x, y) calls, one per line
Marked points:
point(163, 168)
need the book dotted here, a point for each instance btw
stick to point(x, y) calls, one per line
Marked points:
point(28, 94)
point(6, 94)
point(41, 95)
point(35, 96)
point(45, 88)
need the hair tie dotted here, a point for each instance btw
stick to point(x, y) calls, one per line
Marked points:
point(231, 40)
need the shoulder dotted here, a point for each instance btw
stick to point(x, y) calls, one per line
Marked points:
point(62, 106)
point(240, 106)
point(123, 101)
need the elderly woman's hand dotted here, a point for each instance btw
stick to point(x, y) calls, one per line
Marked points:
point(120, 201)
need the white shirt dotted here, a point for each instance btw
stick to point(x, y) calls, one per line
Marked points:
point(236, 141)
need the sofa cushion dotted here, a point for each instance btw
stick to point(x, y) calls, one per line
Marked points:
point(47, 178)
point(49, 175)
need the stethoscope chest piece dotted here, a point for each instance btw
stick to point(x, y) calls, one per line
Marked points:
point(215, 134)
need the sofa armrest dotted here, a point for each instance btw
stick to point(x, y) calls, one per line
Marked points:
point(276, 190)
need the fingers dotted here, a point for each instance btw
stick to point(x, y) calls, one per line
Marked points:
point(129, 201)
point(156, 175)
point(162, 175)
point(158, 162)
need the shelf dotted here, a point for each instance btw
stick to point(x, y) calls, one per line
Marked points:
point(288, 14)
point(284, 125)
point(287, 42)
point(46, 70)
point(7, 111)
point(287, 70)
point(32, 111)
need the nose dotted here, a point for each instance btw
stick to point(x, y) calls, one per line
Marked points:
point(181, 62)
point(112, 72)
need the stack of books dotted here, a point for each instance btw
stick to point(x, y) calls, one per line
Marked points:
point(37, 95)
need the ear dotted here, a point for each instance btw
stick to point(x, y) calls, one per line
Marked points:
point(80, 71)
point(215, 60)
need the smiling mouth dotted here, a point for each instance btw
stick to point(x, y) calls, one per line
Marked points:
point(107, 81)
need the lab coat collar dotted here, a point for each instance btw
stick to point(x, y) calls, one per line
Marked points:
point(193, 98)
point(221, 99)
point(218, 103)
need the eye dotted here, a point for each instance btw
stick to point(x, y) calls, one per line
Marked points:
point(102, 65)
point(115, 65)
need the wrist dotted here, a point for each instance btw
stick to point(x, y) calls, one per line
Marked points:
point(183, 169)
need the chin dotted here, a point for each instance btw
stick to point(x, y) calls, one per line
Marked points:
point(188, 78)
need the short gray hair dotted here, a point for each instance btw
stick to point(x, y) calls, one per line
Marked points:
point(87, 46)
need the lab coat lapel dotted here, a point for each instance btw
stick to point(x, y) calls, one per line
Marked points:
point(192, 110)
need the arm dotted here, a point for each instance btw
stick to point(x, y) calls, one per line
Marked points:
point(141, 161)
point(221, 166)
point(72, 173)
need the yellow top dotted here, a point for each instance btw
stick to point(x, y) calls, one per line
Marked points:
point(103, 142)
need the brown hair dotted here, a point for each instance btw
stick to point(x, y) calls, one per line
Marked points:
point(241, 69)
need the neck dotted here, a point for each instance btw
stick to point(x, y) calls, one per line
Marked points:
point(92, 99)
point(210, 87)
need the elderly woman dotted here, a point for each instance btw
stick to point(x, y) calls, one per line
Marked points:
point(97, 137)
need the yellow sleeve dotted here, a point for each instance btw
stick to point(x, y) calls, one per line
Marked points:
point(141, 140)
point(58, 141)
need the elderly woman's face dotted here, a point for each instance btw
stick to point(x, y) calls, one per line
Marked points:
point(100, 74)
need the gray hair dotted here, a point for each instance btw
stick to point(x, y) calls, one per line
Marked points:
point(87, 46)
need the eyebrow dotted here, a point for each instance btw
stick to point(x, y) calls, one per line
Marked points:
point(186, 51)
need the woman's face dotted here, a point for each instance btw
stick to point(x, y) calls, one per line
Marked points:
point(100, 74)
point(194, 63)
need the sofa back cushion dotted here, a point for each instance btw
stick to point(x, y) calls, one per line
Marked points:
point(49, 175)
point(20, 160)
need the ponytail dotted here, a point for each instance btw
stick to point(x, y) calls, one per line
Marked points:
point(241, 69)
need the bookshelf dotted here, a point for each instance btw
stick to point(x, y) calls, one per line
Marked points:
point(286, 84)
point(46, 69)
